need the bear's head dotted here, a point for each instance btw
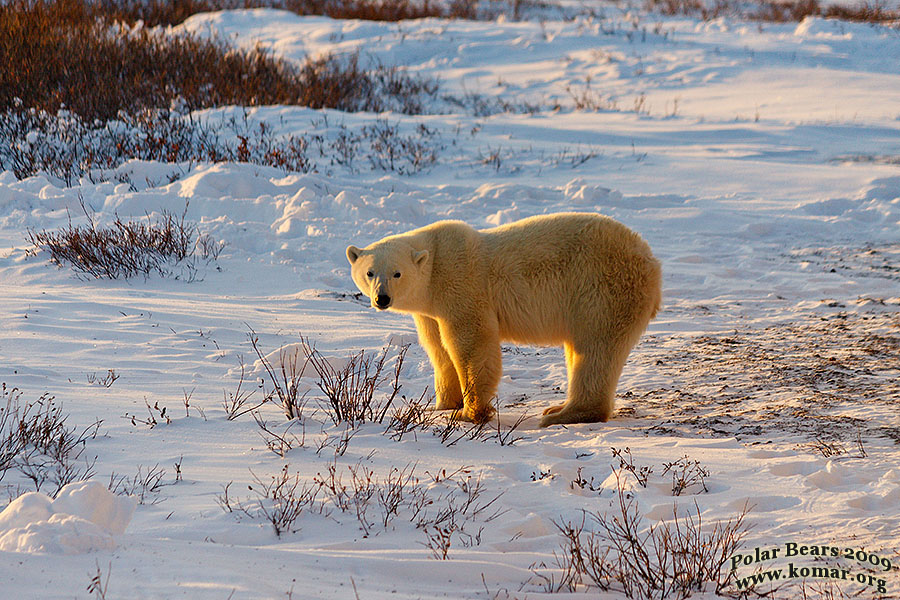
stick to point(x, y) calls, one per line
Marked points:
point(390, 273)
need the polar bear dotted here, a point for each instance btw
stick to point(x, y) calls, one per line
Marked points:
point(580, 280)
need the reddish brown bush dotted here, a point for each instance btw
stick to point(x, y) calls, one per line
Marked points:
point(57, 54)
point(165, 12)
point(774, 11)
point(64, 53)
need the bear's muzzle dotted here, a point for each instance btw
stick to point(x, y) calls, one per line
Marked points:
point(382, 301)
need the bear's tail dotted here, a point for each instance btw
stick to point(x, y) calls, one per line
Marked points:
point(655, 268)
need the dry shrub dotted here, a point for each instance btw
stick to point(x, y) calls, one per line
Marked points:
point(669, 559)
point(350, 391)
point(56, 54)
point(641, 473)
point(67, 147)
point(416, 415)
point(36, 441)
point(775, 11)
point(412, 416)
point(145, 485)
point(342, 83)
point(81, 95)
point(450, 504)
point(165, 12)
point(127, 248)
point(63, 53)
point(686, 473)
point(284, 379)
point(865, 12)
point(280, 501)
point(234, 402)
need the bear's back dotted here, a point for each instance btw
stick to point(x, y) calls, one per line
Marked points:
point(549, 245)
point(542, 270)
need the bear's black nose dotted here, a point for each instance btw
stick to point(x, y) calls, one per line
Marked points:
point(382, 301)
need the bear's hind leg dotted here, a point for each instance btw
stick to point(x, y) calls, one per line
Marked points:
point(593, 375)
point(446, 381)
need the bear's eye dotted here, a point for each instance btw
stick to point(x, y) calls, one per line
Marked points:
point(370, 274)
point(397, 275)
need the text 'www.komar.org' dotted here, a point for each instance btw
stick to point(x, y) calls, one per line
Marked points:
point(829, 572)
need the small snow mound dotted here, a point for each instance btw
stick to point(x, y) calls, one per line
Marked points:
point(406, 208)
point(304, 194)
point(398, 340)
point(831, 207)
point(834, 477)
point(821, 28)
point(886, 189)
point(792, 468)
point(876, 502)
point(293, 358)
point(60, 534)
point(718, 25)
point(764, 503)
point(533, 526)
point(226, 180)
point(27, 508)
point(84, 517)
point(580, 193)
point(502, 217)
point(297, 211)
point(93, 502)
point(836, 29)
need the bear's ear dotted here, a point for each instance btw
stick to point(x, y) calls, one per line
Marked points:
point(419, 257)
point(353, 253)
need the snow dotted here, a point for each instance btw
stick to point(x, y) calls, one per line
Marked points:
point(84, 517)
point(761, 166)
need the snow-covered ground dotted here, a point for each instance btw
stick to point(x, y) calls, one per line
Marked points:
point(762, 164)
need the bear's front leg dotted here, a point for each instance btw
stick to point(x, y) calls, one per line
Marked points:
point(474, 346)
point(446, 382)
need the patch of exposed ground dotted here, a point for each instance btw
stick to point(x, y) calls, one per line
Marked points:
point(868, 261)
point(829, 376)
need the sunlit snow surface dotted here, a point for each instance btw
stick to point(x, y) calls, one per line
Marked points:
point(762, 167)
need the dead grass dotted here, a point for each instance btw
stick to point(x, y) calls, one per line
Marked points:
point(97, 586)
point(586, 98)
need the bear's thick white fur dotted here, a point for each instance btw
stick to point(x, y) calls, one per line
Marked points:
point(583, 281)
